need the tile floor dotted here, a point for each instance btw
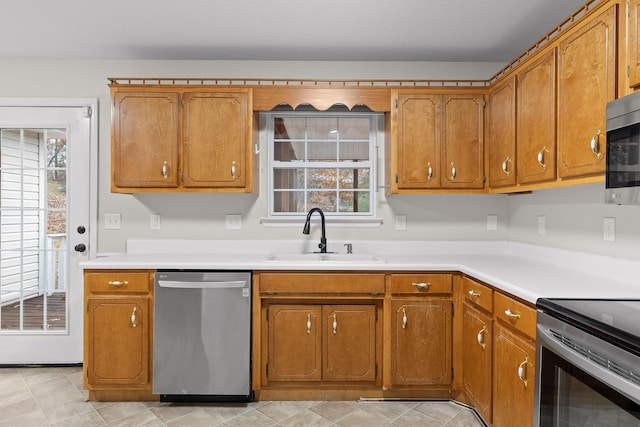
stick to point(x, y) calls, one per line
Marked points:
point(54, 397)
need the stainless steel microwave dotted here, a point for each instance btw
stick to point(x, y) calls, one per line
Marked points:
point(623, 151)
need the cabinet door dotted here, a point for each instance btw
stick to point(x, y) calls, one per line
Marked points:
point(587, 81)
point(216, 134)
point(418, 140)
point(118, 341)
point(513, 378)
point(536, 118)
point(420, 341)
point(633, 51)
point(145, 140)
point(294, 343)
point(477, 340)
point(349, 343)
point(462, 141)
point(502, 134)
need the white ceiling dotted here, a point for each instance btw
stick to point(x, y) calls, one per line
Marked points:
point(323, 30)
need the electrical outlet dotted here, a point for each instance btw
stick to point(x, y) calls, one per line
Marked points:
point(609, 226)
point(154, 222)
point(401, 222)
point(234, 222)
point(112, 221)
point(492, 222)
point(542, 224)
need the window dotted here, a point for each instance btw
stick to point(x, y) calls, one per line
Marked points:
point(322, 159)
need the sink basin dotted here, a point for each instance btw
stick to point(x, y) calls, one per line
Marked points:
point(329, 257)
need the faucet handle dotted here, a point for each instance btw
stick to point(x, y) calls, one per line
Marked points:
point(349, 248)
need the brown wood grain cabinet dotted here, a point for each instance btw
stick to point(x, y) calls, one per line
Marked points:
point(501, 119)
point(420, 330)
point(118, 328)
point(587, 76)
point(177, 139)
point(633, 52)
point(437, 141)
point(536, 120)
point(513, 361)
point(477, 346)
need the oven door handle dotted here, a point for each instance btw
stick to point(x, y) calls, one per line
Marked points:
point(547, 340)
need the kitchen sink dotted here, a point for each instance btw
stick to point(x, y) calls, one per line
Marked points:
point(324, 257)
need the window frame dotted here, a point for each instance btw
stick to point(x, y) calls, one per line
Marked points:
point(375, 121)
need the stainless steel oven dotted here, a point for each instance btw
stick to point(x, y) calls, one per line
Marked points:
point(587, 363)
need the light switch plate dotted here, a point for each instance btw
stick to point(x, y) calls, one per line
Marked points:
point(401, 222)
point(234, 222)
point(154, 222)
point(542, 224)
point(112, 221)
point(492, 222)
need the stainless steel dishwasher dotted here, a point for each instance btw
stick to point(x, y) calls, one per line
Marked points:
point(202, 336)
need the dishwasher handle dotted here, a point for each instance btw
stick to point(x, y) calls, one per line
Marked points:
point(202, 285)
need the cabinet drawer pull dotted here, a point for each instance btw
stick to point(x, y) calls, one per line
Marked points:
point(541, 157)
point(421, 286)
point(474, 294)
point(335, 324)
point(453, 171)
point(429, 171)
point(505, 166)
point(118, 283)
point(511, 315)
point(165, 170)
point(595, 145)
point(308, 323)
point(134, 317)
point(404, 319)
point(233, 170)
point(480, 337)
point(522, 371)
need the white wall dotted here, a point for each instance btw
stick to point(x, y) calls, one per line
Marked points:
point(429, 217)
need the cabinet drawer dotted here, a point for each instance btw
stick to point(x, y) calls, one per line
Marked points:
point(118, 281)
point(518, 315)
point(478, 294)
point(321, 283)
point(421, 283)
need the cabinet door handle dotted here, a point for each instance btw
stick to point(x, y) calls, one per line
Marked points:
point(335, 324)
point(233, 170)
point(505, 166)
point(134, 317)
point(165, 170)
point(480, 337)
point(118, 283)
point(308, 323)
point(473, 293)
point(404, 319)
point(421, 286)
point(453, 171)
point(541, 157)
point(522, 371)
point(595, 145)
point(511, 315)
point(429, 171)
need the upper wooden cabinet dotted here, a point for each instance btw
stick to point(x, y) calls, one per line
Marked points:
point(536, 120)
point(437, 141)
point(586, 82)
point(180, 139)
point(502, 134)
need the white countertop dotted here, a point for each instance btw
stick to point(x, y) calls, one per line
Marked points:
point(526, 271)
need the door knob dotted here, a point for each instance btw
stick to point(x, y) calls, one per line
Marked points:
point(80, 247)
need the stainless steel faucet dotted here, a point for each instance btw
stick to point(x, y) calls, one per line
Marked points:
point(307, 227)
point(349, 248)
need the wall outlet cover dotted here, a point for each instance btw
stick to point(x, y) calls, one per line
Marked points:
point(112, 221)
point(492, 222)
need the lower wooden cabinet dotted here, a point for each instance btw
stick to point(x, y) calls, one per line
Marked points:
point(118, 330)
point(421, 341)
point(477, 352)
point(321, 343)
